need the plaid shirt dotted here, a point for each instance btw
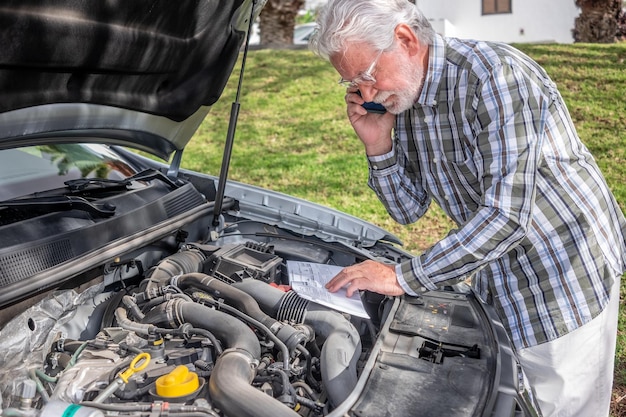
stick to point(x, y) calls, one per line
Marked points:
point(491, 141)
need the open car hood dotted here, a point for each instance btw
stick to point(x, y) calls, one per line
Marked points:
point(134, 73)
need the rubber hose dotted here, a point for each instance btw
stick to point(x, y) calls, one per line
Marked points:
point(242, 301)
point(341, 349)
point(230, 331)
point(235, 297)
point(176, 264)
point(230, 390)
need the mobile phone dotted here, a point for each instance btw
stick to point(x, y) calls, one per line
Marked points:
point(372, 107)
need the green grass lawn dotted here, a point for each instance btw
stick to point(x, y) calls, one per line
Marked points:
point(293, 136)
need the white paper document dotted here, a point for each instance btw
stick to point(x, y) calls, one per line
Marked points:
point(308, 280)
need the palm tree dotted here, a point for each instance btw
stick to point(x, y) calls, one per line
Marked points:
point(599, 21)
point(277, 21)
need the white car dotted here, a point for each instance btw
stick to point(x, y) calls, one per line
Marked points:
point(303, 32)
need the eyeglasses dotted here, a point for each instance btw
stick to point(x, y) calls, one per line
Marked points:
point(364, 78)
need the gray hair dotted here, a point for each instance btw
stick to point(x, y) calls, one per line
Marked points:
point(370, 21)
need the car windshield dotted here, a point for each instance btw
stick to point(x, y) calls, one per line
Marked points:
point(32, 169)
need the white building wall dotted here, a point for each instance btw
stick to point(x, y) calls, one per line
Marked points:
point(313, 4)
point(531, 21)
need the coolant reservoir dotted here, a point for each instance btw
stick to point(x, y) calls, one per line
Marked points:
point(178, 383)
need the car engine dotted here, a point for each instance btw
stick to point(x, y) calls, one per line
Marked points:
point(207, 330)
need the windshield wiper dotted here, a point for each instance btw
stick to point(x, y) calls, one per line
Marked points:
point(42, 202)
point(60, 203)
point(96, 184)
point(81, 185)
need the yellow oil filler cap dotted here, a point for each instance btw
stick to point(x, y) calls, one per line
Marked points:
point(178, 383)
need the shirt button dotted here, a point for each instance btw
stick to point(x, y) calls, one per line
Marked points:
point(375, 167)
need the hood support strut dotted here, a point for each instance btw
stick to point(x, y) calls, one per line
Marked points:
point(232, 125)
point(172, 172)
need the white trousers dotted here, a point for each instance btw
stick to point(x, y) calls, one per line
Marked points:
point(572, 376)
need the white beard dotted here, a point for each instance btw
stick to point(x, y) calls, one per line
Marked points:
point(401, 99)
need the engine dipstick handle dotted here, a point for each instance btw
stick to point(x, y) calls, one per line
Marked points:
point(138, 363)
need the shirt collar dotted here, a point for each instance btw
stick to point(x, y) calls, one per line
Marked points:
point(436, 60)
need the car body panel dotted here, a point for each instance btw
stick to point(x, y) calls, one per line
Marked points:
point(158, 58)
point(91, 123)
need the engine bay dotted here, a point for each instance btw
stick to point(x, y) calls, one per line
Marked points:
point(187, 326)
point(211, 329)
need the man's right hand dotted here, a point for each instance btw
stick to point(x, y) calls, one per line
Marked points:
point(373, 129)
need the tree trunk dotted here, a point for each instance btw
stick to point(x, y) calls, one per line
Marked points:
point(598, 21)
point(277, 21)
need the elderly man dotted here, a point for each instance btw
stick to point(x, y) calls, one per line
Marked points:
point(481, 129)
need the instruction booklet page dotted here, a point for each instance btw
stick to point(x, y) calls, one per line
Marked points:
point(308, 279)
